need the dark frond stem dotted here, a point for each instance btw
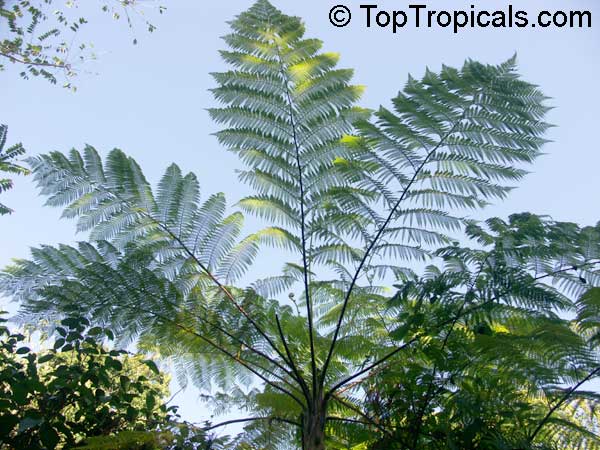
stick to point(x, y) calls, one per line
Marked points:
point(249, 347)
point(558, 404)
point(299, 378)
point(226, 352)
point(251, 419)
point(375, 240)
point(208, 273)
point(344, 419)
point(371, 366)
point(204, 269)
point(222, 288)
point(239, 341)
point(591, 262)
point(302, 224)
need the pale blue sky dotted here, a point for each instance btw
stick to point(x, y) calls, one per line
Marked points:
point(150, 100)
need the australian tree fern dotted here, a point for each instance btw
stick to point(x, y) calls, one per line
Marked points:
point(353, 195)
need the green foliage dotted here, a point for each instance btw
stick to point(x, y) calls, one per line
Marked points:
point(77, 389)
point(473, 352)
point(7, 156)
point(125, 440)
point(40, 37)
point(494, 352)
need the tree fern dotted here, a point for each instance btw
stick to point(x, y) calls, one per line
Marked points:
point(368, 352)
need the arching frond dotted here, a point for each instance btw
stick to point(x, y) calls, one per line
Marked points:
point(115, 203)
point(7, 156)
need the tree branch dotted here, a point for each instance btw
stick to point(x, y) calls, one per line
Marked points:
point(251, 419)
point(21, 60)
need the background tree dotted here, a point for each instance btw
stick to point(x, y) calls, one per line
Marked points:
point(354, 197)
point(78, 389)
point(40, 35)
point(505, 368)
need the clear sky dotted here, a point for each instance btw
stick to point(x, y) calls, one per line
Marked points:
point(150, 100)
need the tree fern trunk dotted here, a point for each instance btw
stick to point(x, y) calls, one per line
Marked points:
point(313, 427)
